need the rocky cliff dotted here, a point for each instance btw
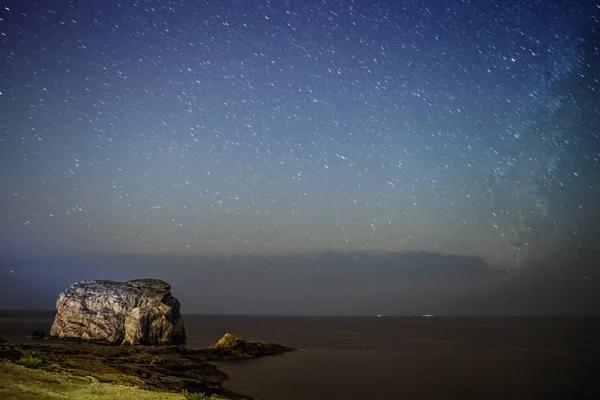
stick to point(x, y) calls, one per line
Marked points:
point(137, 312)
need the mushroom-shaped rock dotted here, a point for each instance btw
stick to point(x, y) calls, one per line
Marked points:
point(236, 346)
point(137, 312)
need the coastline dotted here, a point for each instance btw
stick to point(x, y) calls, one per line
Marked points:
point(168, 370)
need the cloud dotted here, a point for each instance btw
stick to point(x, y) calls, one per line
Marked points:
point(325, 283)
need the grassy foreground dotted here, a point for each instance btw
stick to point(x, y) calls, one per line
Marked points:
point(22, 383)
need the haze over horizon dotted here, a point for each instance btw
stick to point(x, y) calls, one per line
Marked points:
point(150, 127)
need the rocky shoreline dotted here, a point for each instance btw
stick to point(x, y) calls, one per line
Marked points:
point(132, 334)
point(161, 368)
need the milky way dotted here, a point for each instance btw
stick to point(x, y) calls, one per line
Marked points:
point(249, 127)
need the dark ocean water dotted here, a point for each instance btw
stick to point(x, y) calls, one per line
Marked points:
point(398, 358)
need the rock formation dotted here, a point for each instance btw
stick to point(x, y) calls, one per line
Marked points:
point(137, 312)
point(235, 346)
point(38, 334)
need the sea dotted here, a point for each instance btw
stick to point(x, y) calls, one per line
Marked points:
point(380, 357)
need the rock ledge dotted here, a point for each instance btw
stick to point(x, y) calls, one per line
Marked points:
point(236, 346)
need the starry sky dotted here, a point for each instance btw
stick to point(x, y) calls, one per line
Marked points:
point(252, 127)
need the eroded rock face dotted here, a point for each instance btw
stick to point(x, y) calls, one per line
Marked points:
point(137, 312)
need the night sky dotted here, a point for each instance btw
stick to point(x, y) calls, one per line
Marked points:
point(238, 127)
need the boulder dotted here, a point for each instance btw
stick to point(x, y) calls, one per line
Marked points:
point(137, 312)
point(236, 346)
point(38, 334)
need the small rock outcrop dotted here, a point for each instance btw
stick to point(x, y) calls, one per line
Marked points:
point(137, 312)
point(235, 346)
point(38, 334)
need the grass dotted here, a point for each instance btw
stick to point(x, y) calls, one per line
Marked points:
point(199, 396)
point(30, 378)
point(22, 383)
point(30, 362)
